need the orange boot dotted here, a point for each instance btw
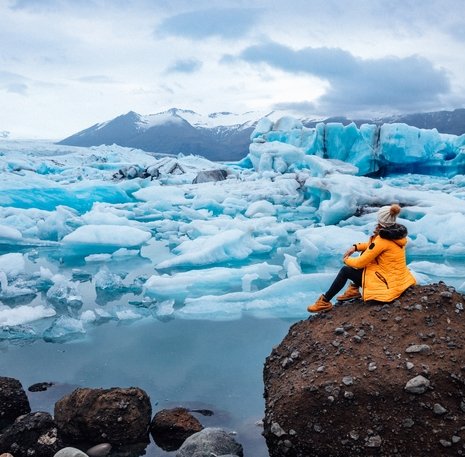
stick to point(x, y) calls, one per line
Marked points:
point(320, 305)
point(351, 293)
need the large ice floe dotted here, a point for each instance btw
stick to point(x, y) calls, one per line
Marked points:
point(91, 235)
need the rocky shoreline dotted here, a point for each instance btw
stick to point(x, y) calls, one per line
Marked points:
point(384, 380)
point(102, 422)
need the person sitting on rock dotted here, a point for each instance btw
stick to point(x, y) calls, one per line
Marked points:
point(381, 269)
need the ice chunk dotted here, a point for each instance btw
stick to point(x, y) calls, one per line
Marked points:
point(165, 309)
point(433, 269)
point(107, 235)
point(64, 328)
point(12, 264)
point(291, 266)
point(324, 242)
point(106, 280)
point(64, 293)
point(274, 300)
point(97, 257)
point(9, 234)
point(24, 314)
point(194, 283)
point(260, 208)
point(162, 197)
point(231, 244)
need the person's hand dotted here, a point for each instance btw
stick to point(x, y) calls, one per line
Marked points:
point(349, 252)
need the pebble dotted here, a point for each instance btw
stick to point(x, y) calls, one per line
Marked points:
point(372, 366)
point(459, 306)
point(409, 365)
point(417, 385)
point(445, 443)
point(446, 294)
point(349, 395)
point(418, 348)
point(408, 423)
point(287, 443)
point(100, 450)
point(347, 380)
point(277, 430)
point(357, 339)
point(462, 406)
point(418, 307)
point(354, 435)
point(456, 439)
point(339, 331)
point(70, 452)
point(320, 369)
point(374, 441)
point(439, 410)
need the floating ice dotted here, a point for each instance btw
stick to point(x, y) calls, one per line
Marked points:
point(107, 235)
point(433, 269)
point(231, 244)
point(64, 328)
point(12, 264)
point(24, 314)
point(265, 241)
point(194, 283)
point(105, 280)
point(64, 294)
point(9, 234)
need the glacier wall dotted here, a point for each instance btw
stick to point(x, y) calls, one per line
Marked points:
point(287, 146)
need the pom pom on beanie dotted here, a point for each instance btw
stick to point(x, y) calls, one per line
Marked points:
point(387, 215)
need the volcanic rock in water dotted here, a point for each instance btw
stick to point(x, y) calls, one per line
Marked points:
point(34, 434)
point(13, 401)
point(171, 427)
point(118, 416)
point(354, 389)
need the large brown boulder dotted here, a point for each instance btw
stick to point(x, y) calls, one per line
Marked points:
point(384, 380)
point(118, 416)
point(171, 427)
point(13, 401)
point(34, 434)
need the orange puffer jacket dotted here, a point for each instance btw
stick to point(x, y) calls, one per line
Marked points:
point(385, 275)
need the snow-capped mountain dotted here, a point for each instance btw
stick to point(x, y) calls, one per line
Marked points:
point(223, 135)
point(218, 136)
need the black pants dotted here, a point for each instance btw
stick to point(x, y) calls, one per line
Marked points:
point(345, 273)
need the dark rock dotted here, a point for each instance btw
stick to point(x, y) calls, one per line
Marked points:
point(118, 416)
point(171, 427)
point(378, 415)
point(208, 442)
point(40, 386)
point(34, 434)
point(13, 401)
point(210, 176)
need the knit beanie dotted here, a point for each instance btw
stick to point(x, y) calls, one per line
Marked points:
point(387, 215)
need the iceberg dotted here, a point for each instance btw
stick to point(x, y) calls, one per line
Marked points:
point(286, 145)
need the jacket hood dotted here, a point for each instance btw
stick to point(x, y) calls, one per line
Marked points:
point(394, 232)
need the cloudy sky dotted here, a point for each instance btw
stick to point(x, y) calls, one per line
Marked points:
point(68, 64)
